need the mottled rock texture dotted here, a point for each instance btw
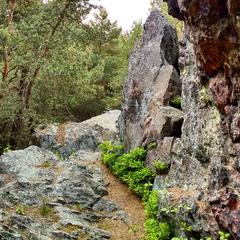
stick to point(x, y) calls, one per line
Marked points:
point(152, 82)
point(202, 187)
point(41, 196)
point(44, 195)
point(73, 138)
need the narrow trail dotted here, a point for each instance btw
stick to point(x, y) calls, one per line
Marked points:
point(127, 201)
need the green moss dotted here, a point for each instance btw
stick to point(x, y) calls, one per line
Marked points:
point(176, 102)
point(205, 96)
point(20, 209)
point(46, 164)
point(152, 145)
point(224, 235)
point(161, 167)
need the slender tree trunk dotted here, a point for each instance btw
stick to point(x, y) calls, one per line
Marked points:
point(6, 58)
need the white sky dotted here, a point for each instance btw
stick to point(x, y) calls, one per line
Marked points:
point(126, 11)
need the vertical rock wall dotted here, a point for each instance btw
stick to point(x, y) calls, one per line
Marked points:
point(203, 180)
point(153, 80)
point(211, 130)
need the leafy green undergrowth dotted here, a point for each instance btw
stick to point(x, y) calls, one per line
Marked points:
point(155, 230)
point(176, 102)
point(129, 167)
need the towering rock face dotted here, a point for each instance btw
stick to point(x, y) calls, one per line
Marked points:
point(202, 185)
point(212, 126)
point(153, 81)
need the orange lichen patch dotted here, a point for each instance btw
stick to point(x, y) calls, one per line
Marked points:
point(178, 193)
point(60, 136)
point(203, 206)
point(8, 178)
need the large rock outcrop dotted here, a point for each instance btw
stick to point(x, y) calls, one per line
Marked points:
point(53, 193)
point(44, 195)
point(80, 139)
point(202, 185)
point(153, 81)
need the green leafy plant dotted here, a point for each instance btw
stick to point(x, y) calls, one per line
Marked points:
point(151, 146)
point(20, 210)
point(155, 230)
point(161, 167)
point(176, 102)
point(8, 148)
point(151, 206)
point(224, 235)
point(129, 167)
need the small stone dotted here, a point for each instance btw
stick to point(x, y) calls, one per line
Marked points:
point(104, 205)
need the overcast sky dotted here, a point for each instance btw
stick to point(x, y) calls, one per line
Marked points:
point(126, 11)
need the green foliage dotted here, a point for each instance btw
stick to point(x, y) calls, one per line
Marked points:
point(20, 210)
point(224, 235)
point(151, 206)
point(129, 167)
point(161, 167)
point(57, 67)
point(8, 148)
point(152, 145)
point(176, 102)
point(156, 230)
point(110, 153)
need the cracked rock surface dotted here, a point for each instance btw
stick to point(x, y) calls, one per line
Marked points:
point(42, 197)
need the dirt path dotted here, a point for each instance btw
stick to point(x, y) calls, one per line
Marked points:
point(127, 201)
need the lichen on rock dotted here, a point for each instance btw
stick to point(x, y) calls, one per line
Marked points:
point(203, 157)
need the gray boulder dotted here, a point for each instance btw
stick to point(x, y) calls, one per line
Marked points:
point(67, 139)
point(153, 81)
point(41, 196)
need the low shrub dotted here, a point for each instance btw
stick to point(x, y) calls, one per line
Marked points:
point(155, 230)
point(129, 167)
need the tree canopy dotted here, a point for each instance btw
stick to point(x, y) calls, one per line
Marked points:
point(57, 65)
